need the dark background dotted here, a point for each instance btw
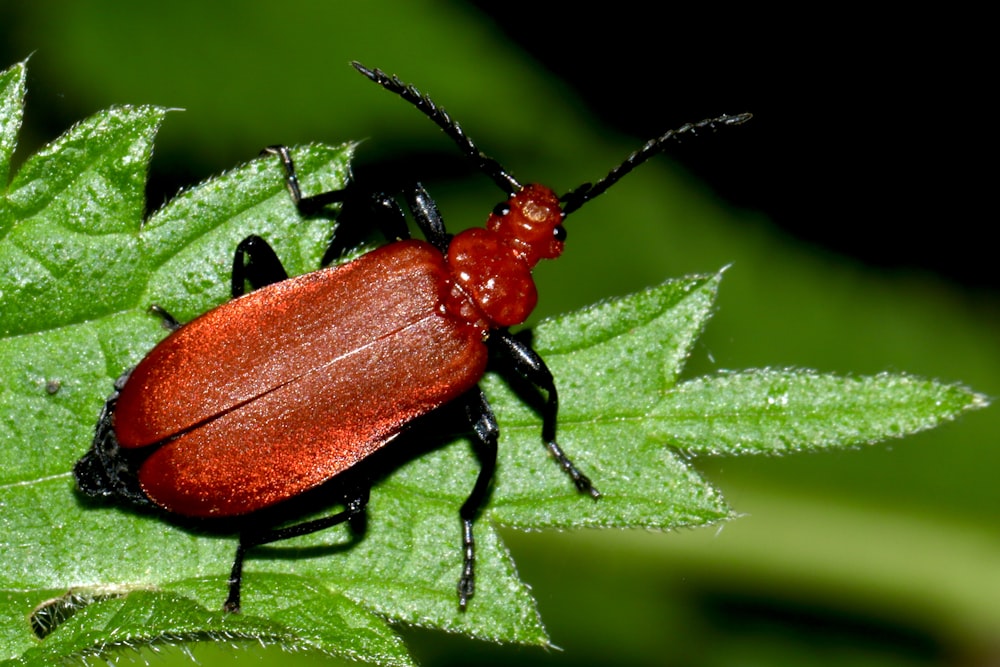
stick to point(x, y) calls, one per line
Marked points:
point(873, 133)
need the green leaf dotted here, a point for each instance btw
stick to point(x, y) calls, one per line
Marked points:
point(780, 411)
point(109, 620)
point(613, 362)
point(11, 114)
point(79, 269)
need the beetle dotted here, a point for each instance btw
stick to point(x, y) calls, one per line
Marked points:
point(307, 377)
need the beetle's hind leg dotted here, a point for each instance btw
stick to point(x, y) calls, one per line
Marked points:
point(170, 322)
point(355, 508)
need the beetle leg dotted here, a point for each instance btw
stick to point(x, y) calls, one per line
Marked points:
point(170, 322)
point(355, 508)
point(530, 366)
point(291, 177)
point(255, 262)
point(484, 425)
point(361, 212)
point(427, 217)
point(307, 205)
point(362, 209)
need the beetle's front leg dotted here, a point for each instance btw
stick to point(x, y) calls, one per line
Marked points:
point(427, 217)
point(529, 365)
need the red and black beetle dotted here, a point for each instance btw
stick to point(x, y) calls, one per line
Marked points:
point(281, 390)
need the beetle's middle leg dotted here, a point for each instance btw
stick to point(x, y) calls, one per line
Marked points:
point(361, 209)
point(486, 431)
point(255, 262)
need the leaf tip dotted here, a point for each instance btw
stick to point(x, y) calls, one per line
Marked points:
point(978, 401)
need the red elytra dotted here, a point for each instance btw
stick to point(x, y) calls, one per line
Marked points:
point(281, 391)
point(279, 403)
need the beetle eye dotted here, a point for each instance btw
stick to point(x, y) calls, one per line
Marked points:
point(559, 232)
point(501, 209)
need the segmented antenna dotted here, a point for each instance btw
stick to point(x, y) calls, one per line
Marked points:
point(485, 163)
point(576, 198)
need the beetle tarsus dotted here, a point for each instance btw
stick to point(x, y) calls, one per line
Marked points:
point(487, 432)
point(529, 365)
point(169, 321)
point(291, 178)
point(467, 583)
point(361, 210)
point(581, 481)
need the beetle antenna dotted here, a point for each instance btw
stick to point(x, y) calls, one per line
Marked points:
point(581, 195)
point(408, 92)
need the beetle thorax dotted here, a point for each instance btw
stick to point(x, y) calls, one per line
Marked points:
point(491, 267)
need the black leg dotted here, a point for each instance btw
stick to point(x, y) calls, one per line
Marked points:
point(361, 210)
point(530, 366)
point(427, 217)
point(355, 508)
point(255, 262)
point(380, 210)
point(360, 215)
point(170, 322)
point(484, 426)
point(291, 177)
